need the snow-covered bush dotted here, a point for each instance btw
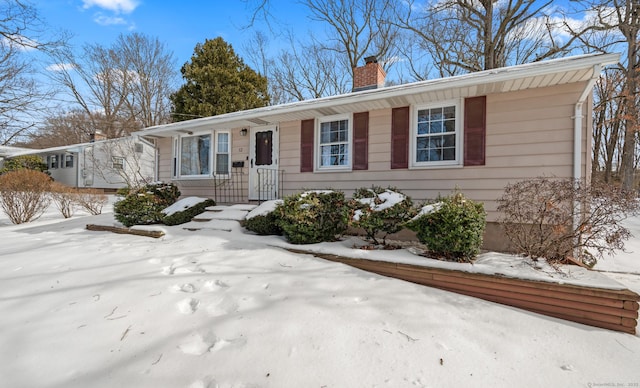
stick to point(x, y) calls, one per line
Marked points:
point(24, 194)
point(263, 220)
point(313, 216)
point(187, 212)
point(553, 218)
point(452, 228)
point(144, 206)
point(381, 211)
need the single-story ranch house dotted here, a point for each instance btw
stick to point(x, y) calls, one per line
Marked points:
point(101, 164)
point(475, 132)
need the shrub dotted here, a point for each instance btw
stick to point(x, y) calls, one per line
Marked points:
point(264, 220)
point(24, 194)
point(29, 162)
point(553, 218)
point(181, 217)
point(91, 200)
point(381, 211)
point(144, 206)
point(452, 228)
point(313, 216)
point(64, 198)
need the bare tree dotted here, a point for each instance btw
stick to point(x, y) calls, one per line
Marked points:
point(466, 35)
point(62, 128)
point(153, 76)
point(621, 20)
point(628, 22)
point(121, 88)
point(608, 130)
point(21, 32)
point(357, 28)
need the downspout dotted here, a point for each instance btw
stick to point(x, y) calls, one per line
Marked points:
point(577, 122)
point(577, 145)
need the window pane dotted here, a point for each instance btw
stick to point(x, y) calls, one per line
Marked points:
point(423, 115)
point(435, 127)
point(449, 154)
point(194, 155)
point(423, 128)
point(449, 140)
point(435, 114)
point(450, 126)
point(223, 142)
point(449, 112)
point(325, 131)
point(222, 164)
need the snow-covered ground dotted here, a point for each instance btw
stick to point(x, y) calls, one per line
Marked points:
point(226, 309)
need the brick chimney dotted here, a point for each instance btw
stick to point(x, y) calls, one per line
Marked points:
point(97, 136)
point(369, 76)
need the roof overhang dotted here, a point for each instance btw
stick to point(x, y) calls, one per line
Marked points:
point(507, 79)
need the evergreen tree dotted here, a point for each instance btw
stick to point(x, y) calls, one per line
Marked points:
point(217, 81)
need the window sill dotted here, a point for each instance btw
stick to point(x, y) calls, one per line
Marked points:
point(436, 166)
point(336, 169)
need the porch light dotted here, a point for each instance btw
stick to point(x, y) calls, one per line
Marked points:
point(243, 132)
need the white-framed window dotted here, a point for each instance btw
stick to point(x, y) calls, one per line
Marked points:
point(436, 137)
point(68, 160)
point(223, 153)
point(53, 161)
point(334, 144)
point(202, 155)
point(195, 155)
point(117, 162)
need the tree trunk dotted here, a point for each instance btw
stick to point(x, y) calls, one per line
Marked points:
point(630, 31)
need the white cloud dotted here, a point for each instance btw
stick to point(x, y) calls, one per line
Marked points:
point(104, 20)
point(19, 42)
point(60, 67)
point(117, 6)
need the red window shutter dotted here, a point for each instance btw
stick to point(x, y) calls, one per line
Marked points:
point(307, 130)
point(400, 137)
point(360, 141)
point(475, 119)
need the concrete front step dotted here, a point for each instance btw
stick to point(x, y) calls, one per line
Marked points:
point(233, 212)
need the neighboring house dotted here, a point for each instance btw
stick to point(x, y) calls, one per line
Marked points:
point(106, 164)
point(7, 151)
point(475, 132)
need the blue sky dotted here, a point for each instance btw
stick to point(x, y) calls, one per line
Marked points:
point(179, 24)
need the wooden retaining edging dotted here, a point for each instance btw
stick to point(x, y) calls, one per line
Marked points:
point(599, 307)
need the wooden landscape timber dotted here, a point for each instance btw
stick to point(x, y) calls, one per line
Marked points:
point(600, 307)
point(123, 230)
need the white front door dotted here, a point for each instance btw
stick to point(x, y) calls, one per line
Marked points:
point(263, 163)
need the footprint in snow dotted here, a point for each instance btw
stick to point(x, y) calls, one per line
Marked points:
point(214, 285)
point(186, 287)
point(199, 344)
point(188, 305)
point(206, 382)
point(188, 270)
point(222, 306)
